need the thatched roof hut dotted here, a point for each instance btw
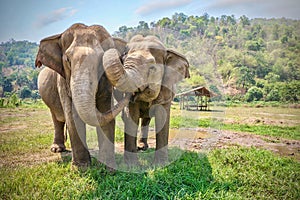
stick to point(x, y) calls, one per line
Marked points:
point(196, 98)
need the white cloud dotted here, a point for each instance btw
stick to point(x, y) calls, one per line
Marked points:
point(256, 8)
point(54, 16)
point(155, 6)
point(234, 3)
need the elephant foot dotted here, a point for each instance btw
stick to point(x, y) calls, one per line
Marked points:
point(131, 159)
point(81, 167)
point(58, 148)
point(160, 162)
point(143, 145)
point(161, 158)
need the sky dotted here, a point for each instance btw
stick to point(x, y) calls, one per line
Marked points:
point(34, 20)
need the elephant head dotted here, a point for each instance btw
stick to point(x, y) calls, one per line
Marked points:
point(145, 67)
point(76, 54)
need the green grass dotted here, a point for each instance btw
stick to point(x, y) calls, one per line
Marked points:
point(288, 132)
point(266, 130)
point(234, 173)
point(256, 174)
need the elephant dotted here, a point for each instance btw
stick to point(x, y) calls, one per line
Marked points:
point(150, 71)
point(76, 89)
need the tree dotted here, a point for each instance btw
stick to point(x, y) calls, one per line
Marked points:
point(7, 84)
point(164, 22)
point(273, 95)
point(245, 21)
point(275, 32)
point(22, 80)
point(254, 94)
point(143, 25)
point(290, 91)
point(25, 92)
point(255, 45)
point(245, 77)
point(179, 18)
point(272, 77)
point(33, 76)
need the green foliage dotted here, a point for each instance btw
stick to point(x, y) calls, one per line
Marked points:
point(256, 45)
point(7, 84)
point(17, 66)
point(240, 52)
point(25, 92)
point(290, 92)
point(224, 51)
point(11, 101)
point(246, 77)
point(254, 94)
point(273, 95)
point(18, 53)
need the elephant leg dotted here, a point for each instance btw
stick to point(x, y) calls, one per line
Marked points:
point(162, 122)
point(106, 139)
point(59, 137)
point(80, 155)
point(144, 136)
point(131, 122)
point(106, 133)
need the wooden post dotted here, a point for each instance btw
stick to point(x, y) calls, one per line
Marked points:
point(197, 103)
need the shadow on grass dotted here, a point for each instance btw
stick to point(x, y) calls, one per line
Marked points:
point(189, 175)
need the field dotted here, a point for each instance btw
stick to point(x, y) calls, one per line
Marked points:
point(229, 153)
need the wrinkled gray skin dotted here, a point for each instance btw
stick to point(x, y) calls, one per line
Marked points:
point(151, 71)
point(75, 88)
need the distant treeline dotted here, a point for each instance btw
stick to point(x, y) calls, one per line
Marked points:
point(17, 72)
point(238, 58)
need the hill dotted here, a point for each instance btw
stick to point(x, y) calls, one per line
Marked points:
point(243, 59)
point(17, 71)
point(238, 58)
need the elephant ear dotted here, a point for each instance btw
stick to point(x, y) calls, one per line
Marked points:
point(120, 45)
point(176, 68)
point(50, 54)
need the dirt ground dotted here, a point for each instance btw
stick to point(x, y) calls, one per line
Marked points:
point(202, 139)
point(194, 139)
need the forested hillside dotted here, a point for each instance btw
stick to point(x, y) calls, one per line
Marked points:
point(243, 59)
point(18, 74)
point(238, 58)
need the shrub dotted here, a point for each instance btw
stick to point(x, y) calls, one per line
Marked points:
point(25, 92)
point(254, 94)
point(273, 95)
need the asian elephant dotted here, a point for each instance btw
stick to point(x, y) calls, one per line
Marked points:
point(150, 70)
point(77, 91)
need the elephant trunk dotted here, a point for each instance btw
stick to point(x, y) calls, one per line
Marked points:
point(125, 79)
point(84, 85)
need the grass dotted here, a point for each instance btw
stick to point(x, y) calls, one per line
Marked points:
point(288, 132)
point(266, 130)
point(232, 173)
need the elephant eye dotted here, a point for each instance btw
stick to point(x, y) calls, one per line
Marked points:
point(66, 59)
point(152, 69)
point(123, 56)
